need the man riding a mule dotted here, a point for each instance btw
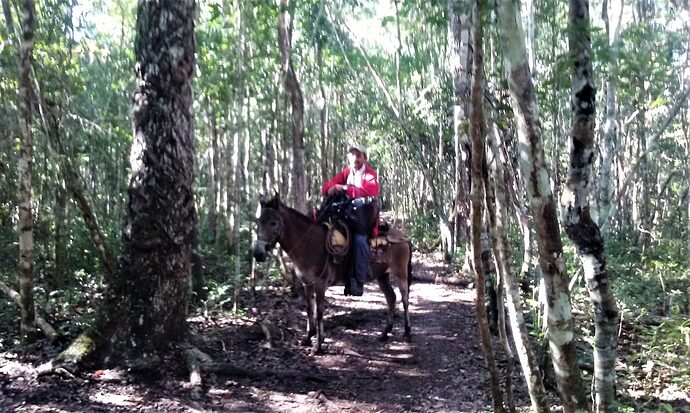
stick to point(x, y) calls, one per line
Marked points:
point(360, 183)
point(305, 242)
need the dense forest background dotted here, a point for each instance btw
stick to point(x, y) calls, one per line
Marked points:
point(280, 90)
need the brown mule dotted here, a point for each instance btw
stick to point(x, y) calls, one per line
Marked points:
point(305, 243)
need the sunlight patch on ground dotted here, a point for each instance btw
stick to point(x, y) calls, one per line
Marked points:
point(14, 368)
point(114, 399)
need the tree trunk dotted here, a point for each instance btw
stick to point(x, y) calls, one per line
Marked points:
point(214, 178)
point(8, 133)
point(145, 307)
point(57, 279)
point(292, 88)
point(579, 225)
point(611, 115)
point(26, 238)
point(504, 259)
point(324, 173)
point(459, 39)
point(495, 282)
point(561, 334)
point(477, 135)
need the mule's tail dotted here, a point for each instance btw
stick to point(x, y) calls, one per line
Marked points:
point(409, 265)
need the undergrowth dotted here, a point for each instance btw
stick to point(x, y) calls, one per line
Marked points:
point(652, 291)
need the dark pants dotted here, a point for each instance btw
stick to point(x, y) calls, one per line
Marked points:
point(360, 255)
point(363, 216)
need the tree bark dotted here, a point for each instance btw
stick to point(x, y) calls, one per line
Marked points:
point(292, 88)
point(560, 323)
point(57, 279)
point(145, 306)
point(498, 279)
point(611, 127)
point(459, 39)
point(502, 252)
point(477, 135)
point(26, 240)
point(214, 177)
point(7, 12)
point(579, 225)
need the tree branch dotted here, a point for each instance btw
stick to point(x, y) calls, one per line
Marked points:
point(47, 329)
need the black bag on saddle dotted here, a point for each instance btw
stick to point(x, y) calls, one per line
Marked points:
point(360, 214)
point(333, 207)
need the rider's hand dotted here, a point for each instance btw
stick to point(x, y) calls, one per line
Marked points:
point(336, 188)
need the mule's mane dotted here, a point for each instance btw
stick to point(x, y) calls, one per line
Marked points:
point(305, 218)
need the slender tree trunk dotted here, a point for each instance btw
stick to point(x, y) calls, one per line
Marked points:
point(57, 281)
point(530, 40)
point(502, 252)
point(324, 173)
point(292, 88)
point(578, 222)
point(514, 190)
point(459, 40)
point(611, 114)
point(26, 238)
point(214, 177)
point(561, 332)
point(398, 56)
point(145, 307)
point(239, 184)
point(498, 280)
point(477, 135)
point(7, 12)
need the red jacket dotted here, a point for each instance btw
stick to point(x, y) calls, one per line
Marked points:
point(370, 183)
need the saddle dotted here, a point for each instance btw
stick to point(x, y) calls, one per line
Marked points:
point(338, 241)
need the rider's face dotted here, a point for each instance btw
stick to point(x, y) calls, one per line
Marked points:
point(356, 158)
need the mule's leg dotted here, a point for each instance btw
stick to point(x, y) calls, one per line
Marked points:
point(311, 304)
point(387, 290)
point(405, 294)
point(320, 295)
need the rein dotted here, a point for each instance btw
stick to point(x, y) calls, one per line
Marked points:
point(282, 228)
point(306, 233)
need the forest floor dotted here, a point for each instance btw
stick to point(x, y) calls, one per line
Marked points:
point(441, 370)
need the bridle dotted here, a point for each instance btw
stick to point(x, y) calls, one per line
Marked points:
point(278, 234)
point(275, 235)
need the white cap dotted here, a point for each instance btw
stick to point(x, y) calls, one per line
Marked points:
point(357, 147)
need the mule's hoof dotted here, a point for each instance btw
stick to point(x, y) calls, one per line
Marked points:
point(306, 342)
point(383, 338)
point(407, 337)
point(317, 351)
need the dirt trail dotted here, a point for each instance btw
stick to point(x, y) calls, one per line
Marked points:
point(441, 370)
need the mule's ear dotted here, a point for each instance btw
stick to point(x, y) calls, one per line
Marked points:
point(262, 200)
point(274, 202)
point(259, 206)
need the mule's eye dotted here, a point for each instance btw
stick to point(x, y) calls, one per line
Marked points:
point(274, 224)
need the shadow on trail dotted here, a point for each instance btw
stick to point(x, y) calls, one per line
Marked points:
point(440, 369)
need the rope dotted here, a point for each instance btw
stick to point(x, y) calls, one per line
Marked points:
point(338, 250)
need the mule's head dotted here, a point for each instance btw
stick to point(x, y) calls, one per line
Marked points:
point(269, 228)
